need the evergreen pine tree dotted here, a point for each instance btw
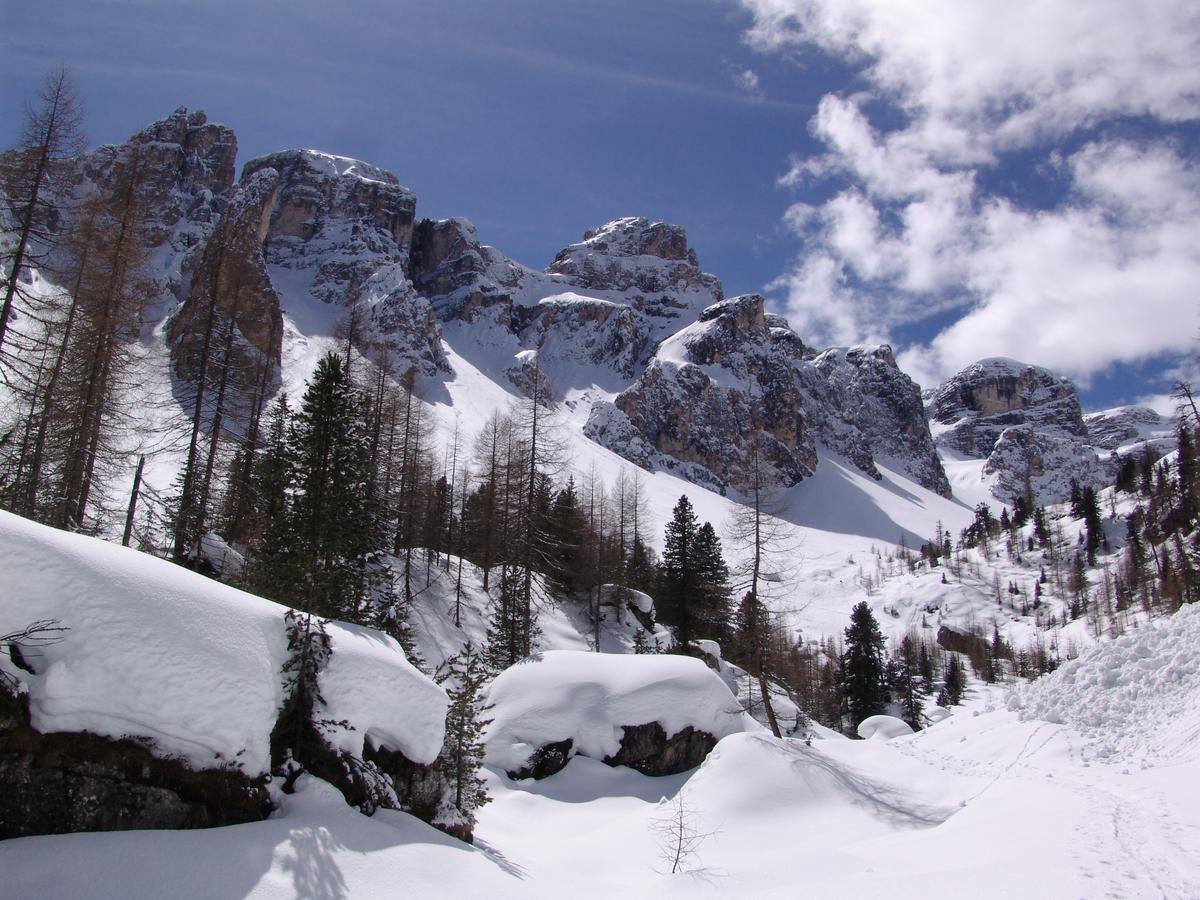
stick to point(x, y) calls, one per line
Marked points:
point(332, 516)
point(677, 577)
point(713, 607)
point(864, 690)
point(462, 754)
point(904, 681)
point(954, 682)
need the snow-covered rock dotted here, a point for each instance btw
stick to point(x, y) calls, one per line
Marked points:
point(1126, 428)
point(883, 728)
point(156, 652)
point(590, 701)
point(739, 382)
point(1025, 421)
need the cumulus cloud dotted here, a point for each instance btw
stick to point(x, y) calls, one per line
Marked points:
point(1105, 274)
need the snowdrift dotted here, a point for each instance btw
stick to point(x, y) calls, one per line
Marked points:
point(156, 652)
point(1134, 699)
point(589, 698)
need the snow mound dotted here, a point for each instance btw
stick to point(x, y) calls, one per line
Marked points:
point(157, 652)
point(883, 728)
point(370, 685)
point(590, 697)
point(1136, 699)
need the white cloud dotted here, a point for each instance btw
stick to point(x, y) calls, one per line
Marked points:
point(746, 80)
point(1005, 73)
point(1107, 275)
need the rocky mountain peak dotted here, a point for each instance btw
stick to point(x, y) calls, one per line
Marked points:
point(638, 236)
point(200, 154)
point(320, 191)
point(996, 393)
point(635, 253)
point(1024, 420)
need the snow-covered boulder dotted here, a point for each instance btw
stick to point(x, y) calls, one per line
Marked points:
point(185, 667)
point(883, 728)
point(660, 714)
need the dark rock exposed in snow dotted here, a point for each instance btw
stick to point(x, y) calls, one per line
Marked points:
point(643, 747)
point(64, 782)
point(648, 749)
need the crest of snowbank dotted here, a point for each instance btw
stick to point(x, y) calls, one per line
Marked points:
point(1137, 699)
point(158, 652)
point(590, 697)
point(370, 684)
point(883, 728)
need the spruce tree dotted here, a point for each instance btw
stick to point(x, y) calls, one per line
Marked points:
point(332, 516)
point(677, 581)
point(906, 672)
point(714, 612)
point(864, 688)
point(954, 682)
point(462, 754)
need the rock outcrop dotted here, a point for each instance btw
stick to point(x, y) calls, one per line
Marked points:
point(75, 781)
point(1025, 421)
point(593, 317)
point(646, 748)
point(1126, 428)
point(230, 288)
point(338, 242)
point(738, 392)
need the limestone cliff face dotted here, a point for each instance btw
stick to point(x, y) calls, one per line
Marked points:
point(230, 283)
point(184, 170)
point(1025, 421)
point(985, 398)
point(738, 389)
point(338, 238)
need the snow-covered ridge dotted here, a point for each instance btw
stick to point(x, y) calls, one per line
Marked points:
point(157, 652)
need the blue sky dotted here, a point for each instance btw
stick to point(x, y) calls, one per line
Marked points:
point(962, 180)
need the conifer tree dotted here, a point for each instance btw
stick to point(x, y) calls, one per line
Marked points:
point(462, 754)
point(330, 452)
point(954, 682)
point(906, 671)
point(678, 576)
point(864, 686)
